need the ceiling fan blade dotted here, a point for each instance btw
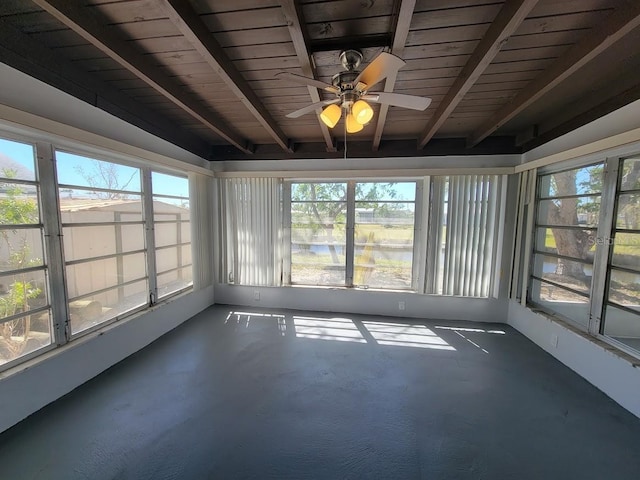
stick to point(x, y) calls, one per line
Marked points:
point(311, 108)
point(379, 69)
point(292, 77)
point(398, 100)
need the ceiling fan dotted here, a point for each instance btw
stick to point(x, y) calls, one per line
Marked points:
point(351, 88)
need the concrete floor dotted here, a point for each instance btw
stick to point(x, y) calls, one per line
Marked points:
point(307, 395)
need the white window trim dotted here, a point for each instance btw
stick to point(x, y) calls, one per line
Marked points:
point(45, 145)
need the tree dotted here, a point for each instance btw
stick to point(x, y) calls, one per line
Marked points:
point(569, 242)
point(327, 204)
point(15, 210)
point(105, 175)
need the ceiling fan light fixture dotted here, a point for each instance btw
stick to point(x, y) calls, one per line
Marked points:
point(352, 124)
point(362, 112)
point(331, 115)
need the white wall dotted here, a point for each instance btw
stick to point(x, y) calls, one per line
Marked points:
point(31, 108)
point(30, 386)
point(365, 301)
point(614, 374)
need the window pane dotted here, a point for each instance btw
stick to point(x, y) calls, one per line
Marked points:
point(101, 307)
point(20, 248)
point(95, 240)
point(170, 210)
point(578, 181)
point(169, 259)
point(568, 304)
point(24, 335)
point(318, 233)
point(84, 278)
point(581, 211)
point(18, 204)
point(574, 246)
point(22, 292)
point(574, 243)
point(628, 211)
point(173, 281)
point(172, 229)
point(168, 234)
point(569, 273)
point(626, 250)
point(17, 160)
point(89, 172)
point(163, 184)
point(84, 207)
point(623, 326)
point(317, 251)
point(380, 191)
point(384, 244)
point(624, 289)
point(318, 192)
point(630, 174)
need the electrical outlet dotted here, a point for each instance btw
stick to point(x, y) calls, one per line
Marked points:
point(256, 295)
point(554, 340)
point(401, 305)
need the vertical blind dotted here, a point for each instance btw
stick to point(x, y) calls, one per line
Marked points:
point(466, 260)
point(201, 235)
point(252, 213)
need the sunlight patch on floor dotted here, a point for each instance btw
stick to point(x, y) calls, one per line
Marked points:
point(338, 329)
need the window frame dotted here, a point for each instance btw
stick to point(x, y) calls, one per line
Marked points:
point(143, 222)
point(535, 227)
point(605, 234)
point(177, 246)
point(417, 268)
point(611, 229)
point(51, 230)
point(42, 184)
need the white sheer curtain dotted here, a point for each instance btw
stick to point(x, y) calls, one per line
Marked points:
point(251, 209)
point(466, 209)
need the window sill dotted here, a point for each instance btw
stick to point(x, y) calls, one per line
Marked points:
point(357, 289)
point(600, 340)
point(51, 351)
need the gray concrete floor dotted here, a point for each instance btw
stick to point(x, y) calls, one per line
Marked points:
point(317, 396)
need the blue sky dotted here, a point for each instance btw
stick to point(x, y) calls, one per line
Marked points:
point(68, 173)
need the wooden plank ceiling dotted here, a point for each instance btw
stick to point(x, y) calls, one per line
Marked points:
point(503, 76)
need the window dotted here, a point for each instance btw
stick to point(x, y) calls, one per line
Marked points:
point(85, 241)
point(384, 229)
point(622, 300)
point(353, 234)
point(318, 233)
point(103, 228)
point(585, 265)
point(172, 232)
point(568, 210)
point(363, 234)
point(25, 313)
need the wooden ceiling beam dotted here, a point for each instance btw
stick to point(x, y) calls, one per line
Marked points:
point(596, 41)
point(78, 19)
point(405, 13)
point(616, 94)
point(22, 52)
point(299, 37)
point(196, 32)
point(505, 24)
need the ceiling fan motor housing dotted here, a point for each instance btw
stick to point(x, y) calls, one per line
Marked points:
point(351, 59)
